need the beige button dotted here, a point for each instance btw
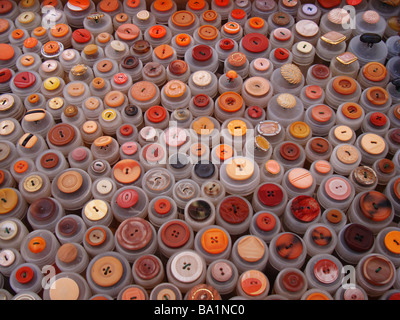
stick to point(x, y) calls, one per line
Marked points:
point(343, 133)
point(286, 100)
point(347, 154)
point(69, 181)
point(372, 143)
point(257, 86)
point(34, 115)
point(166, 294)
point(239, 168)
point(33, 183)
point(71, 111)
point(251, 248)
point(304, 47)
point(306, 28)
point(64, 289)
point(79, 70)
point(4, 151)
point(104, 186)
point(56, 103)
point(143, 15)
point(96, 210)
point(28, 140)
point(7, 258)
point(26, 17)
point(117, 45)
point(291, 73)
point(76, 89)
point(186, 266)
point(338, 16)
point(6, 127)
point(8, 230)
point(6, 102)
point(92, 103)
point(90, 127)
point(201, 78)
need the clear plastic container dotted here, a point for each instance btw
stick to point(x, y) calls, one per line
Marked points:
point(26, 277)
point(31, 145)
point(161, 209)
point(352, 293)
point(285, 108)
point(163, 10)
point(13, 232)
point(98, 22)
point(345, 64)
point(321, 118)
point(76, 15)
point(369, 21)
point(368, 51)
point(132, 66)
point(386, 244)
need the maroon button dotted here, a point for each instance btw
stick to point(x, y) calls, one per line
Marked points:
point(270, 194)
point(24, 274)
point(319, 145)
point(221, 271)
point(202, 52)
point(320, 71)
point(281, 53)
point(290, 151)
point(23, 80)
point(226, 44)
point(175, 234)
point(5, 75)
point(178, 67)
point(201, 100)
point(134, 233)
point(234, 210)
point(61, 134)
point(130, 62)
point(147, 267)
point(49, 160)
point(255, 42)
point(326, 271)
point(305, 208)
point(358, 237)
point(126, 130)
point(293, 281)
point(68, 226)
point(254, 112)
point(81, 35)
point(378, 119)
point(266, 221)
point(42, 209)
point(395, 136)
point(127, 198)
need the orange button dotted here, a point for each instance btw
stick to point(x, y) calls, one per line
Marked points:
point(377, 95)
point(108, 5)
point(156, 114)
point(203, 126)
point(256, 22)
point(230, 101)
point(224, 152)
point(183, 18)
point(214, 241)
point(39, 31)
point(51, 47)
point(322, 166)
point(299, 130)
point(374, 71)
point(300, 178)
point(133, 3)
point(82, 4)
point(344, 85)
point(11, 198)
point(174, 88)
point(157, 31)
point(352, 110)
point(162, 206)
point(6, 52)
point(272, 166)
point(30, 42)
point(231, 27)
point(196, 4)
point(208, 32)
point(254, 282)
point(128, 32)
point(318, 296)
point(143, 91)
point(182, 39)
point(392, 241)
point(163, 5)
point(210, 15)
point(21, 166)
point(133, 294)
point(251, 248)
point(59, 30)
point(37, 245)
point(313, 92)
point(163, 51)
point(90, 127)
point(17, 34)
point(321, 113)
point(238, 14)
point(127, 171)
point(102, 141)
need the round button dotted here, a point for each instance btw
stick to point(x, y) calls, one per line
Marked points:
point(96, 236)
point(321, 113)
point(76, 89)
point(353, 294)
point(27, 60)
point(24, 274)
point(364, 176)
point(222, 271)
point(175, 137)
point(162, 206)
point(51, 47)
point(292, 281)
point(266, 221)
point(69, 181)
point(128, 32)
point(6, 52)
point(64, 289)
point(251, 248)
point(374, 71)
point(334, 216)
point(257, 86)
point(157, 32)
point(281, 54)
point(261, 64)
point(282, 34)
point(255, 42)
point(326, 271)
point(358, 238)
point(154, 153)
point(147, 267)
point(43, 209)
point(234, 210)
point(289, 246)
point(378, 270)
point(373, 144)
point(214, 241)
point(68, 226)
point(300, 178)
point(202, 52)
point(49, 160)
point(67, 253)
point(299, 129)
point(347, 154)
point(239, 168)
point(24, 80)
point(174, 88)
point(344, 85)
point(237, 59)
point(343, 133)
point(392, 241)
point(8, 229)
point(322, 166)
point(320, 71)
point(306, 28)
point(104, 66)
point(130, 62)
point(290, 151)
point(114, 99)
point(253, 282)
point(305, 208)
point(338, 188)
point(319, 145)
point(199, 210)
point(377, 96)
point(104, 186)
point(226, 44)
point(270, 194)
point(32, 183)
point(95, 210)
point(178, 67)
point(37, 245)
point(375, 206)
point(201, 78)
point(196, 4)
point(143, 91)
point(386, 166)
point(61, 134)
point(186, 266)
point(321, 236)
point(175, 234)
point(134, 234)
point(210, 15)
point(231, 27)
point(183, 18)
point(20, 166)
point(230, 101)
point(201, 100)
point(127, 171)
point(254, 112)
point(81, 35)
point(107, 271)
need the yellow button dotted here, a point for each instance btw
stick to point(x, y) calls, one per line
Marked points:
point(27, 3)
point(90, 49)
point(261, 143)
point(26, 17)
point(8, 200)
point(237, 128)
point(109, 115)
point(299, 129)
point(96, 210)
point(203, 126)
point(51, 83)
point(239, 168)
point(102, 141)
point(33, 183)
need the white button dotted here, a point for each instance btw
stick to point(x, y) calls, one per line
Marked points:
point(7, 258)
point(8, 230)
point(201, 78)
point(187, 266)
point(185, 190)
point(309, 9)
point(143, 15)
point(104, 186)
point(158, 180)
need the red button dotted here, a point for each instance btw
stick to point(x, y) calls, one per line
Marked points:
point(255, 42)
point(319, 145)
point(329, 3)
point(290, 151)
point(234, 210)
point(270, 194)
point(281, 53)
point(162, 206)
point(5, 75)
point(156, 114)
point(120, 78)
point(326, 271)
point(292, 281)
point(254, 112)
point(238, 14)
point(202, 52)
point(378, 119)
point(81, 35)
point(5, 6)
point(201, 100)
point(23, 80)
point(127, 198)
point(175, 234)
point(313, 92)
point(320, 71)
point(226, 44)
point(126, 130)
point(266, 221)
point(305, 208)
point(24, 274)
point(147, 267)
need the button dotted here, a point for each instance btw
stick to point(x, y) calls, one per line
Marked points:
point(346, 58)
point(305, 208)
point(326, 271)
point(375, 206)
point(95, 210)
point(306, 28)
point(201, 78)
point(254, 112)
point(299, 130)
point(24, 80)
point(333, 37)
point(179, 160)
point(202, 52)
point(347, 154)
point(103, 37)
point(199, 210)
point(289, 246)
point(234, 210)
point(103, 186)
point(386, 166)
point(251, 248)
point(128, 32)
point(81, 35)
point(231, 27)
point(338, 16)
point(282, 34)
point(255, 42)
point(321, 113)
point(253, 282)
point(183, 18)
point(239, 168)
point(210, 15)
point(224, 152)
point(374, 71)
point(319, 145)
point(321, 236)
point(8, 228)
point(32, 183)
point(221, 271)
point(343, 133)
point(270, 194)
point(201, 100)
point(230, 101)
point(7, 258)
point(174, 88)
point(187, 266)
point(196, 4)
point(358, 238)
point(198, 149)
point(300, 178)
point(147, 267)
point(17, 34)
point(377, 96)
point(61, 134)
point(280, 19)
point(265, 221)
point(364, 176)
point(257, 86)
point(20, 166)
point(162, 206)
point(281, 54)
point(353, 294)
point(6, 52)
point(175, 234)
point(256, 22)
point(272, 167)
point(304, 47)
point(162, 5)
point(6, 102)
point(320, 71)
point(395, 136)
point(291, 73)
point(127, 198)
point(75, 89)
point(154, 153)
point(64, 289)
point(107, 271)
point(69, 181)
point(67, 253)
point(214, 241)
point(24, 274)
point(127, 171)
point(143, 91)
point(290, 151)
point(373, 144)
point(51, 47)
point(5, 75)
point(338, 188)
point(378, 270)
point(59, 30)
point(175, 136)
point(226, 44)
point(104, 66)
point(334, 216)
point(28, 140)
point(122, 17)
point(178, 67)
point(43, 209)
point(130, 62)
point(27, 60)
point(237, 59)
point(322, 166)
point(166, 294)
point(126, 130)
point(5, 151)
point(392, 241)
point(134, 234)
point(141, 46)
point(37, 244)
point(68, 226)
point(292, 281)
point(344, 85)
point(157, 32)
point(96, 236)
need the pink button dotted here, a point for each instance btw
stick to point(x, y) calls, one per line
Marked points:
point(120, 78)
point(337, 188)
point(68, 54)
point(282, 34)
point(127, 198)
point(222, 271)
point(129, 148)
point(153, 152)
point(49, 66)
point(261, 64)
point(175, 136)
point(79, 154)
point(326, 271)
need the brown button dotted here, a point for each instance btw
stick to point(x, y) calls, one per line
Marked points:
point(69, 181)
point(175, 234)
point(153, 69)
point(147, 267)
point(96, 236)
point(203, 292)
point(49, 160)
point(290, 151)
point(178, 67)
point(134, 233)
point(183, 18)
point(61, 134)
point(375, 206)
point(321, 236)
point(104, 66)
point(114, 99)
point(130, 62)
point(281, 18)
point(141, 46)
point(358, 237)
point(67, 253)
point(352, 110)
point(208, 32)
point(68, 226)
point(386, 166)
point(378, 270)
point(107, 271)
point(364, 176)
point(334, 216)
point(319, 145)
point(234, 210)
point(202, 52)
point(128, 32)
point(70, 111)
point(98, 83)
point(289, 246)
point(293, 281)
point(43, 209)
point(320, 71)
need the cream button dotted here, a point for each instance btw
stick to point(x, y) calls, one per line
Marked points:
point(6, 102)
point(32, 183)
point(6, 127)
point(108, 115)
point(8, 230)
point(7, 258)
point(343, 133)
point(117, 45)
point(64, 289)
point(56, 103)
point(143, 15)
point(96, 210)
point(104, 186)
point(239, 168)
point(347, 154)
point(26, 17)
point(373, 144)
point(201, 78)
point(187, 266)
point(304, 47)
